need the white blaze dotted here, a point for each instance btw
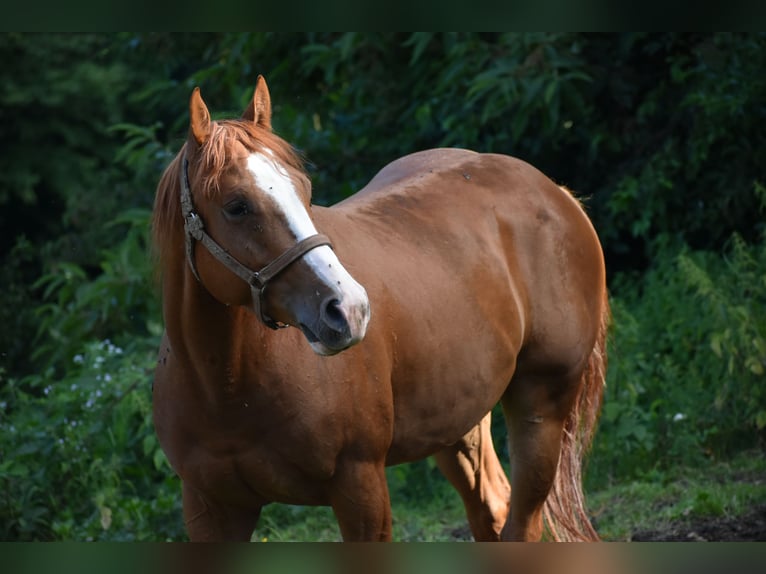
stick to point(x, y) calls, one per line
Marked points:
point(274, 181)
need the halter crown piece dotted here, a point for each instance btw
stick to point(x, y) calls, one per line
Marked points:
point(194, 230)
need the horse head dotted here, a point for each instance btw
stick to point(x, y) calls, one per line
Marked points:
point(246, 199)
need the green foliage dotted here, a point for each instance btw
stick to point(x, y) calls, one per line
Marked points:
point(79, 457)
point(380, 96)
point(686, 373)
point(67, 103)
point(662, 131)
point(121, 301)
point(689, 152)
point(59, 182)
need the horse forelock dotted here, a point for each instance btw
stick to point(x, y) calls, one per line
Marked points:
point(217, 152)
point(212, 159)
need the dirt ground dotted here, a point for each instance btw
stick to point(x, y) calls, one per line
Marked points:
point(749, 527)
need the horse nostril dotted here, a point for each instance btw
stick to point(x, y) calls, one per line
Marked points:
point(333, 316)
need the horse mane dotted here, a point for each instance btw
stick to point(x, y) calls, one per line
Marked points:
point(212, 158)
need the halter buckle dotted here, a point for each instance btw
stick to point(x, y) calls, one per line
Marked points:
point(255, 281)
point(193, 225)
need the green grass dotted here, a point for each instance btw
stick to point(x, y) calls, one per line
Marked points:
point(439, 518)
point(432, 523)
point(723, 489)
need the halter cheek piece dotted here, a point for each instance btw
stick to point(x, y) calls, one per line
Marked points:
point(194, 230)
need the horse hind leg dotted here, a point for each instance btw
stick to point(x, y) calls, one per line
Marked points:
point(542, 415)
point(472, 466)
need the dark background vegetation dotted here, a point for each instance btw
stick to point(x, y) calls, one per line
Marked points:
point(661, 134)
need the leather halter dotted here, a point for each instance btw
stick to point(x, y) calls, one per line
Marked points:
point(194, 230)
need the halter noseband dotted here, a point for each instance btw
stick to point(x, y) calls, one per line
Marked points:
point(194, 230)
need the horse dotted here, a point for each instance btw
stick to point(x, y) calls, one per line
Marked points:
point(307, 348)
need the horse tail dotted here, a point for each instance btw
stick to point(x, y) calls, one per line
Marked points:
point(564, 509)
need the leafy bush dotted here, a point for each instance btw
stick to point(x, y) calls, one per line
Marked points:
point(687, 363)
point(79, 456)
point(62, 178)
point(662, 130)
point(120, 300)
point(80, 460)
point(687, 153)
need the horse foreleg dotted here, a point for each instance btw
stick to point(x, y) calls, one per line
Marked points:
point(360, 500)
point(210, 522)
point(472, 466)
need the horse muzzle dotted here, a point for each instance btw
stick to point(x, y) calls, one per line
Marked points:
point(340, 323)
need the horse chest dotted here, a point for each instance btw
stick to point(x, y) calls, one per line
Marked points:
point(247, 454)
point(254, 473)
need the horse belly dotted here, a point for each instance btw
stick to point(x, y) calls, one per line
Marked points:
point(458, 325)
point(426, 426)
point(443, 391)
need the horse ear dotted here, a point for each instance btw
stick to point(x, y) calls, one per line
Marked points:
point(259, 109)
point(199, 117)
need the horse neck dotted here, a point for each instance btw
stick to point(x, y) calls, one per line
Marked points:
point(206, 335)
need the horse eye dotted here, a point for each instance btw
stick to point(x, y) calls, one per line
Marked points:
point(237, 208)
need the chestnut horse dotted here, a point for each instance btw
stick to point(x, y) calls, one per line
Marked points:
point(453, 281)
